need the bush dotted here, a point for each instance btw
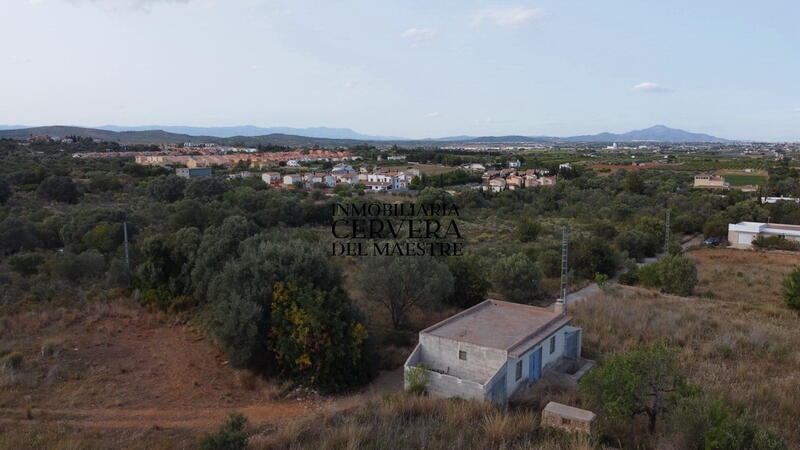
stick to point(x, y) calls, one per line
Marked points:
point(5, 192)
point(59, 189)
point(26, 263)
point(791, 289)
point(168, 188)
point(774, 243)
point(229, 437)
point(469, 283)
point(11, 361)
point(72, 267)
point(518, 279)
point(678, 274)
point(705, 424)
point(318, 338)
point(528, 230)
point(417, 379)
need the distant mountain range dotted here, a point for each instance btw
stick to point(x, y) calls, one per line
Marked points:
point(252, 130)
point(252, 136)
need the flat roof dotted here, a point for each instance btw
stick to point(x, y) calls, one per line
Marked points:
point(500, 325)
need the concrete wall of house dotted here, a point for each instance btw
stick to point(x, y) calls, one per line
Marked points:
point(548, 359)
point(741, 239)
point(442, 354)
point(441, 385)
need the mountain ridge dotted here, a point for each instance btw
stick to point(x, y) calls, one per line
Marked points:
point(656, 133)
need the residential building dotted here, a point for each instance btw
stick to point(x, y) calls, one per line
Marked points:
point(779, 199)
point(515, 164)
point(271, 177)
point(193, 172)
point(742, 234)
point(493, 349)
point(706, 180)
point(291, 179)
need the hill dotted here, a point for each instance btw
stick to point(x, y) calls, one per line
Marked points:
point(253, 131)
point(657, 133)
point(316, 136)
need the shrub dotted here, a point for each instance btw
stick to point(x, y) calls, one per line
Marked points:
point(528, 230)
point(705, 424)
point(640, 382)
point(26, 263)
point(518, 279)
point(11, 361)
point(59, 189)
point(791, 289)
point(318, 338)
point(774, 243)
point(5, 192)
point(678, 274)
point(229, 437)
point(417, 378)
point(469, 282)
point(72, 267)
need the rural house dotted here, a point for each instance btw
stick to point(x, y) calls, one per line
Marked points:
point(493, 349)
point(742, 234)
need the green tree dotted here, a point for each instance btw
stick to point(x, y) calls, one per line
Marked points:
point(791, 289)
point(469, 281)
point(518, 278)
point(230, 435)
point(528, 230)
point(104, 237)
point(434, 196)
point(167, 188)
point(643, 381)
point(241, 293)
point(206, 188)
point(678, 274)
point(401, 284)
point(318, 337)
point(716, 228)
point(219, 244)
point(5, 192)
point(634, 183)
point(59, 189)
point(26, 263)
point(16, 235)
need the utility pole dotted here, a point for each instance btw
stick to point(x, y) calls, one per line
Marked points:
point(666, 234)
point(125, 233)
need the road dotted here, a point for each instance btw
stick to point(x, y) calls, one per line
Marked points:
point(593, 289)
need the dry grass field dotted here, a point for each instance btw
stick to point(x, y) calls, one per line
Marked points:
point(743, 275)
point(407, 421)
point(743, 344)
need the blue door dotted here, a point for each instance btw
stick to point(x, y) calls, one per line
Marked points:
point(535, 371)
point(572, 344)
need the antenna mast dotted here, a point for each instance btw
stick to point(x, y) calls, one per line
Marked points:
point(564, 263)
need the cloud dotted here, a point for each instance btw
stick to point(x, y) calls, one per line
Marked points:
point(434, 114)
point(652, 88)
point(127, 5)
point(797, 110)
point(417, 35)
point(505, 16)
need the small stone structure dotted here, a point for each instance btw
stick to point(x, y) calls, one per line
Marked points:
point(568, 418)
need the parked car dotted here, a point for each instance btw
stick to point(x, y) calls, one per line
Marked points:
point(711, 241)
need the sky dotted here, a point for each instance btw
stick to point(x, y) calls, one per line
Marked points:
point(409, 68)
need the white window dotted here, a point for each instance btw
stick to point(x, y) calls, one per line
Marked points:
point(519, 370)
point(552, 344)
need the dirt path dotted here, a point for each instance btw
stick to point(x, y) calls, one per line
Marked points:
point(593, 289)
